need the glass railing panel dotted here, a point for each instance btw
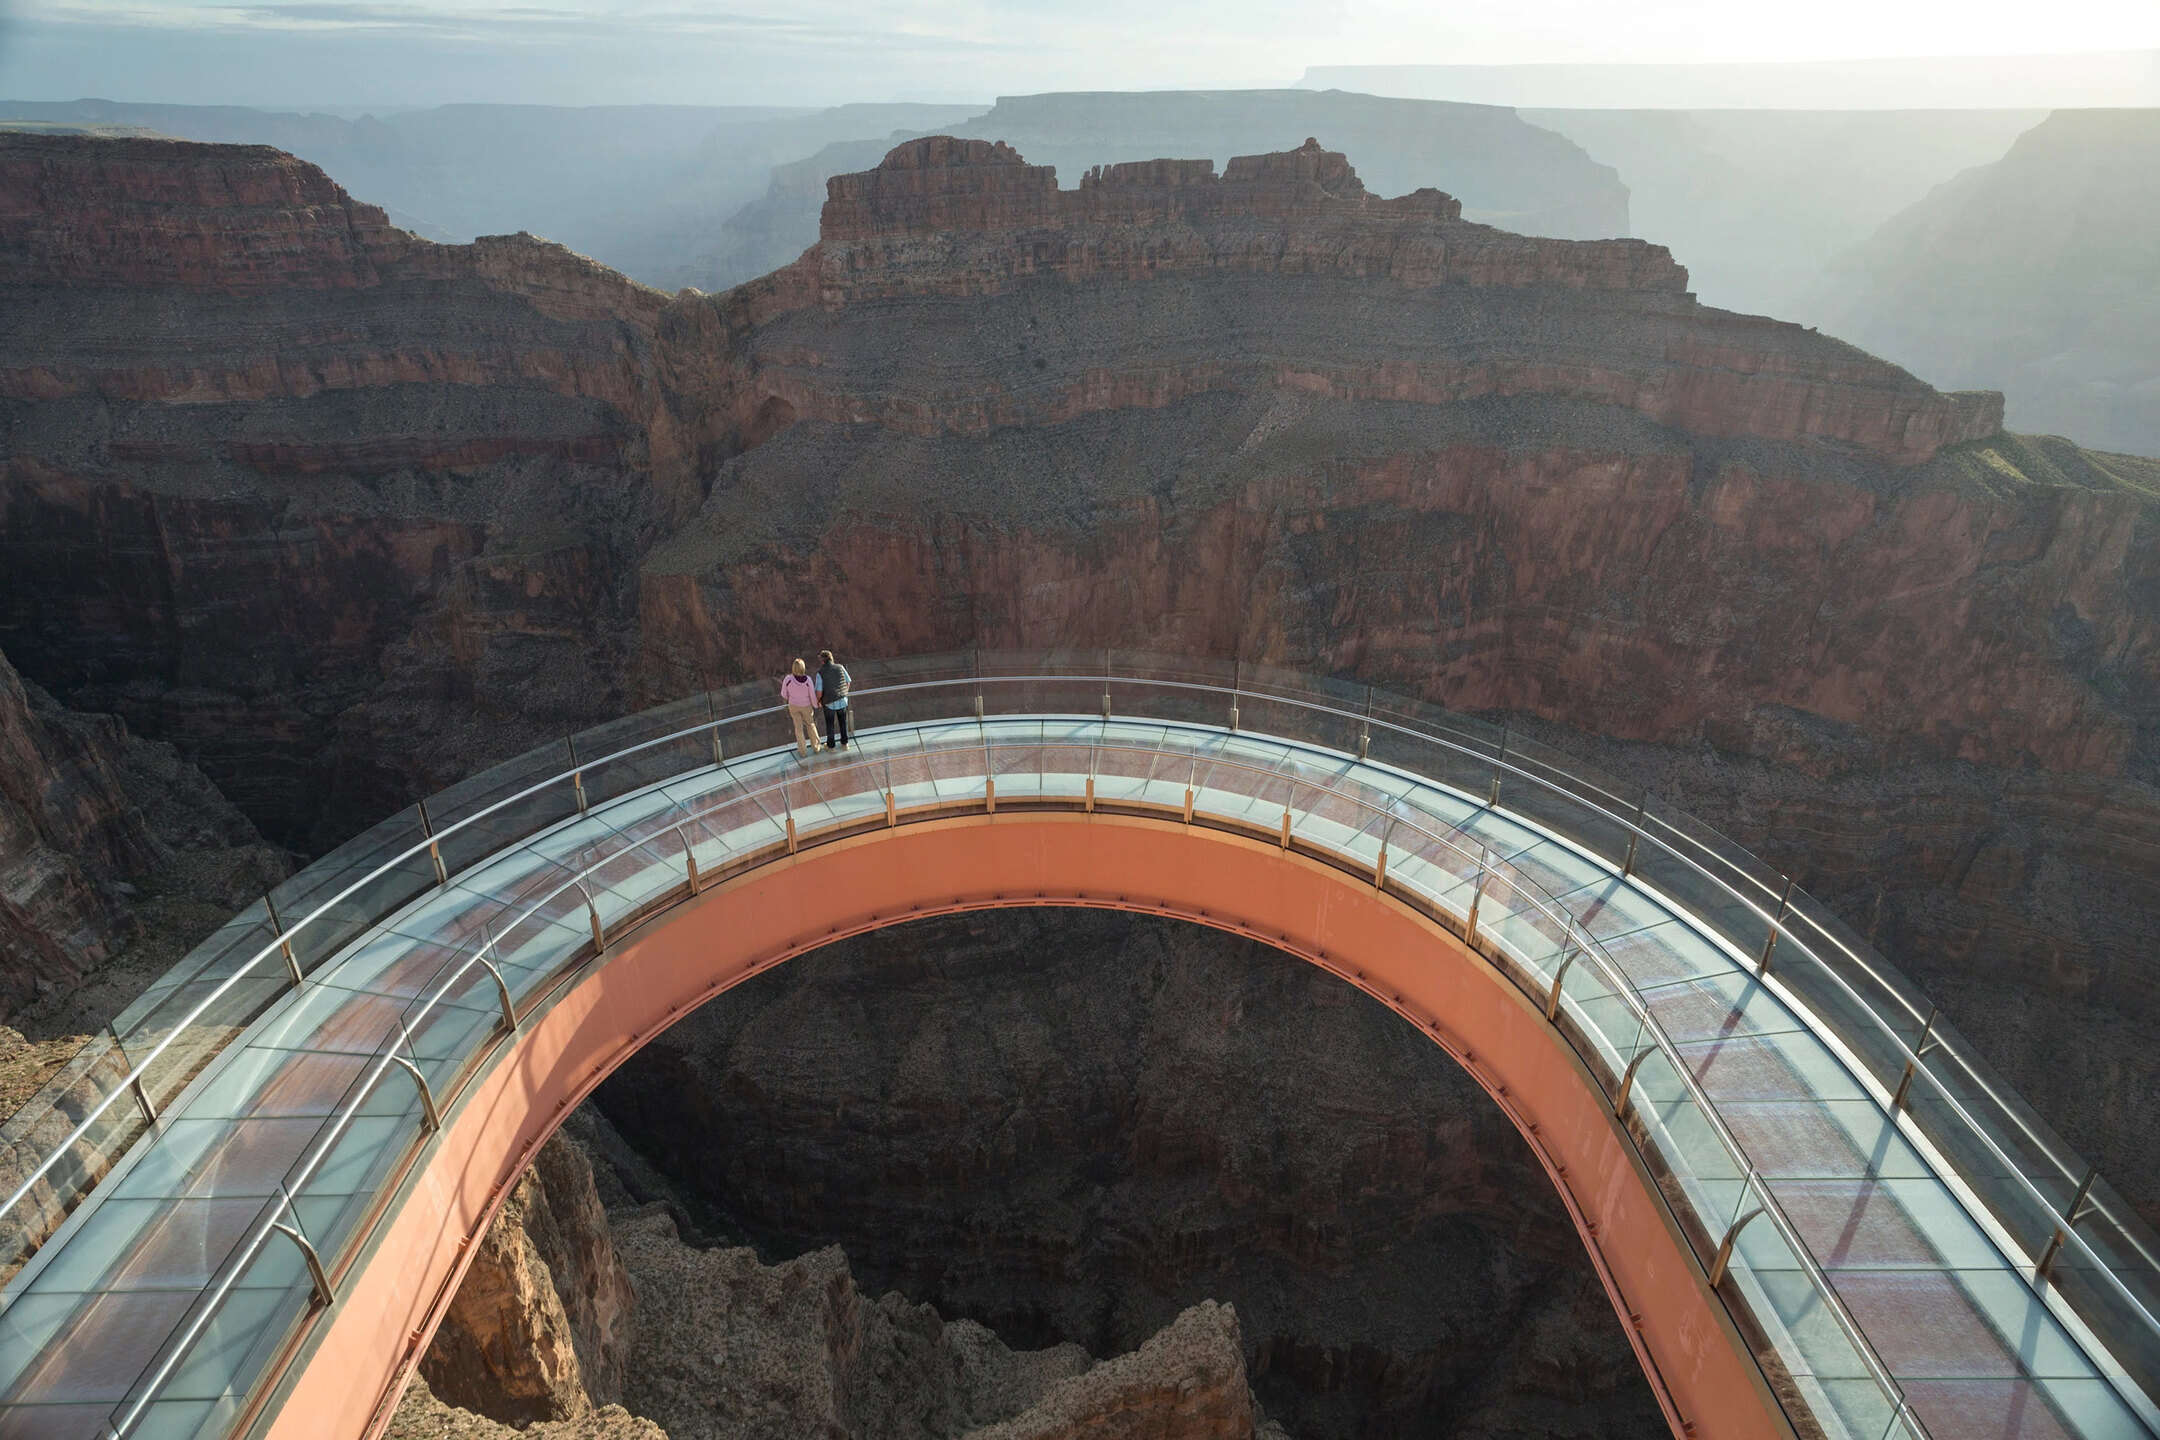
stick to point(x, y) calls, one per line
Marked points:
point(1884, 987)
point(1451, 730)
point(298, 895)
point(73, 1162)
point(1998, 1185)
point(1466, 768)
point(452, 1025)
point(2123, 1239)
point(1195, 670)
point(512, 821)
point(1129, 770)
point(1329, 692)
point(1700, 1178)
point(1340, 819)
point(1877, 1048)
point(1559, 770)
point(896, 670)
point(1753, 878)
point(843, 791)
point(2120, 1314)
point(1587, 991)
point(670, 740)
point(322, 914)
point(1823, 1364)
point(225, 951)
point(728, 832)
point(1067, 758)
point(1562, 813)
point(1042, 695)
point(1432, 864)
point(226, 1008)
point(1300, 720)
point(1516, 914)
point(905, 701)
point(468, 797)
point(1017, 766)
point(1689, 889)
point(637, 879)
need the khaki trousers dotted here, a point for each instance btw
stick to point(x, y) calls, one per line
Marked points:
point(805, 718)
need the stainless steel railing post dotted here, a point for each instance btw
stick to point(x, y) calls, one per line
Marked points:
point(1477, 896)
point(1635, 833)
point(502, 988)
point(432, 1115)
point(1725, 1247)
point(1769, 944)
point(142, 1096)
point(434, 847)
point(317, 1276)
point(284, 941)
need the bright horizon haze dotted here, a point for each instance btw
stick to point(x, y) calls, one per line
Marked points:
point(353, 55)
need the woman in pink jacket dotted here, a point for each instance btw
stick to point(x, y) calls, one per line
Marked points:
point(800, 697)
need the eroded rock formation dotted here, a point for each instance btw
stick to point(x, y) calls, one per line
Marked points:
point(110, 847)
point(346, 535)
point(540, 1325)
point(726, 1347)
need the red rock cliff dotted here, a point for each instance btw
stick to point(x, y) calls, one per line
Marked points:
point(345, 539)
point(957, 218)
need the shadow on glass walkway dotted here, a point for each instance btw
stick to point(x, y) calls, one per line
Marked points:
point(1886, 1237)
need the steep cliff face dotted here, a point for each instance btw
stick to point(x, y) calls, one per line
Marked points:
point(268, 457)
point(542, 1321)
point(345, 541)
point(714, 1344)
point(103, 836)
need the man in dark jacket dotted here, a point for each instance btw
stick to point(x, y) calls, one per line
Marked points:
point(832, 688)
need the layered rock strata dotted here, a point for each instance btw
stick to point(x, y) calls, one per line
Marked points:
point(343, 542)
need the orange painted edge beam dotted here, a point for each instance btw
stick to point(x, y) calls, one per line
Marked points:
point(354, 1362)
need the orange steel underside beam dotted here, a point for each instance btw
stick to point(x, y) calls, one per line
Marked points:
point(346, 1381)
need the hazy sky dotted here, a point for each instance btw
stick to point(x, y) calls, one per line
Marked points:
point(341, 53)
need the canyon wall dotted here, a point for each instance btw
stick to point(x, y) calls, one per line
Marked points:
point(116, 855)
point(345, 535)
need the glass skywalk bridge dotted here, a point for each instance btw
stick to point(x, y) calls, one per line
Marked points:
point(1905, 1248)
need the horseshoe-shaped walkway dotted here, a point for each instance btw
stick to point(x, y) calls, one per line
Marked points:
point(1797, 1183)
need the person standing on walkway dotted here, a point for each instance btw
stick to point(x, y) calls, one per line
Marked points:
point(800, 696)
point(832, 689)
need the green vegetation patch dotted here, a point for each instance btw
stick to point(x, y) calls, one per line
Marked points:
point(2008, 464)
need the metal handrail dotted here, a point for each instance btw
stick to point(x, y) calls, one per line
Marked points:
point(428, 842)
point(1776, 924)
point(1577, 941)
point(1632, 825)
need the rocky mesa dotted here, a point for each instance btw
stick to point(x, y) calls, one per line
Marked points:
point(343, 514)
